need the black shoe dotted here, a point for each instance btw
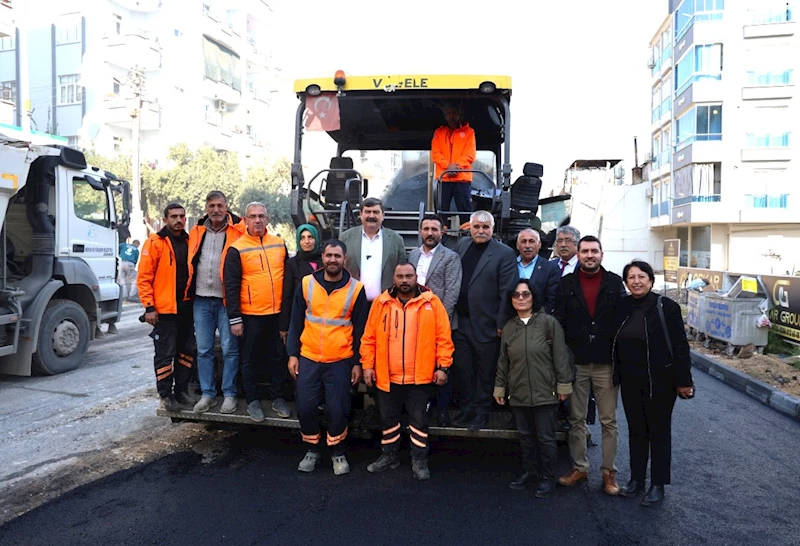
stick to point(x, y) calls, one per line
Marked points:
point(526, 478)
point(169, 403)
point(477, 423)
point(632, 489)
point(186, 399)
point(545, 488)
point(463, 419)
point(654, 495)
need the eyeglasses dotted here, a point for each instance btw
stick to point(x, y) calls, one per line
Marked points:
point(565, 241)
point(521, 295)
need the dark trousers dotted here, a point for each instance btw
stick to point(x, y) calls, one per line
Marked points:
point(173, 340)
point(649, 431)
point(416, 399)
point(461, 192)
point(537, 438)
point(334, 378)
point(259, 350)
point(475, 366)
point(443, 396)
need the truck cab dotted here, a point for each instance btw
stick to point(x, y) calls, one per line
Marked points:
point(60, 219)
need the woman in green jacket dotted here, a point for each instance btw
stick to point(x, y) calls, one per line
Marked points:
point(533, 374)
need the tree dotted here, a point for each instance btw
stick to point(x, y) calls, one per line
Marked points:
point(269, 184)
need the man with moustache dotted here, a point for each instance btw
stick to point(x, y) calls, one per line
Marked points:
point(327, 323)
point(373, 250)
point(566, 258)
point(209, 241)
point(585, 307)
point(489, 275)
point(163, 276)
point(406, 350)
point(439, 269)
point(253, 276)
point(544, 274)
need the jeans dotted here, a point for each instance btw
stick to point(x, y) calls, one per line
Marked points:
point(537, 437)
point(209, 316)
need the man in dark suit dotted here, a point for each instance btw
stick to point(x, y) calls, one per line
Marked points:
point(545, 275)
point(439, 269)
point(489, 276)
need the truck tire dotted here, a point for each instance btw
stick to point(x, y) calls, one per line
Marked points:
point(63, 338)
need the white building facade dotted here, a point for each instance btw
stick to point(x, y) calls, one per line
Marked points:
point(724, 151)
point(204, 66)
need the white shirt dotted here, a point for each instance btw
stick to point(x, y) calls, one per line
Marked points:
point(425, 259)
point(570, 267)
point(371, 260)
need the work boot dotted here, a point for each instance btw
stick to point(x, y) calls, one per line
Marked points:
point(572, 477)
point(255, 411)
point(205, 404)
point(610, 486)
point(186, 399)
point(633, 488)
point(545, 488)
point(526, 478)
point(340, 465)
point(478, 422)
point(280, 407)
point(419, 466)
point(387, 460)
point(443, 415)
point(309, 462)
point(168, 403)
point(653, 496)
point(463, 419)
point(229, 405)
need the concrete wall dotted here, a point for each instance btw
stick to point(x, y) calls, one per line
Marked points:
point(748, 244)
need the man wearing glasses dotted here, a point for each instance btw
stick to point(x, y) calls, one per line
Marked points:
point(567, 238)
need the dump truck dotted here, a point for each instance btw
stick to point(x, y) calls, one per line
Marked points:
point(59, 221)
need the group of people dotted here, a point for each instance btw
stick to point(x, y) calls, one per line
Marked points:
point(479, 322)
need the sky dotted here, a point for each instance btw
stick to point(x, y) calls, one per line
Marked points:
point(581, 86)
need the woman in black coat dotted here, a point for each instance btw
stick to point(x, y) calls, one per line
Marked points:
point(653, 367)
point(307, 260)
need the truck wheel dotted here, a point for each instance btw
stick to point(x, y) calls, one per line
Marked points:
point(63, 338)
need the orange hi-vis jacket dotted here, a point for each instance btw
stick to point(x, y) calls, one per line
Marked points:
point(233, 230)
point(453, 146)
point(254, 269)
point(157, 277)
point(328, 330)
point(405, 345)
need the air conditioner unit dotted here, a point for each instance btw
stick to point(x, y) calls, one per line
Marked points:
point(651, 64)
point(648, 192)
point(221, 106)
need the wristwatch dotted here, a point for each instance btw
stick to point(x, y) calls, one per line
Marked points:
point(445, 370)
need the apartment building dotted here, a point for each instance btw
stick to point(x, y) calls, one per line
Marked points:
point(724, 159)
point(202, 69)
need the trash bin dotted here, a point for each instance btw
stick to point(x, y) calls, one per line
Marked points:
point(733, 320)
point(695, 317)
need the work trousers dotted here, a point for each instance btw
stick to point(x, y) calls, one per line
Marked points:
point(649, 431)
point(260, 352)
point(173, 340)
point(599, 378)
point(210, 316)
point(416, 399)
point(334, 378)
point(127, 279)
point(475, 366)
point(462, 193)
point(537, 438)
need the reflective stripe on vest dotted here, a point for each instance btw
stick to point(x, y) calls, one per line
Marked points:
point(342, 321)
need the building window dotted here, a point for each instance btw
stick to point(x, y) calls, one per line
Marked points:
point(178, 33)
point(7, 43)
point(683, 235)
point(90, 203)
point(701, 247)
point(769, 127)
point(770, 77)
point(765, 12)
point(656, 59)
point(117, 143)
point(9, 91)
point(69, 89)
point(704, 62)
point(665, 155)
point(115, 86)
point(700, 123)
point(117, 22)
point(656, 103)
point(768, 189)
point(690, 11)
point(68, 29)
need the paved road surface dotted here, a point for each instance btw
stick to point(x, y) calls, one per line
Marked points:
point(735, 481)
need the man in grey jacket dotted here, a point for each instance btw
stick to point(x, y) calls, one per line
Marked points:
point(373, 251)
point(439, 269)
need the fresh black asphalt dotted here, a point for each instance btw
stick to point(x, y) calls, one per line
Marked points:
point(735, 481)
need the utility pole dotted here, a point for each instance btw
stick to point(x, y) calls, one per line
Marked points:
point(136, 82)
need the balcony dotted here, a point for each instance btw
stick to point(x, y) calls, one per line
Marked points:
point(769, 85)
point(696, 199)
point(772, 18)
point(700, 209)
point(700, 149)
point(134, 47)
point(768, 147)
point(220, 91)
point(217, 26)
point(139, 5)
point(119, 112)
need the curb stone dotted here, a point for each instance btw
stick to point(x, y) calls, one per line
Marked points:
point(766, 394)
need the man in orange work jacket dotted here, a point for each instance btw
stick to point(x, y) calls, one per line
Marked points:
point(253, 279)
point(453, 148)
point(406, 349)
point(328, 315)
point(162, 279)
